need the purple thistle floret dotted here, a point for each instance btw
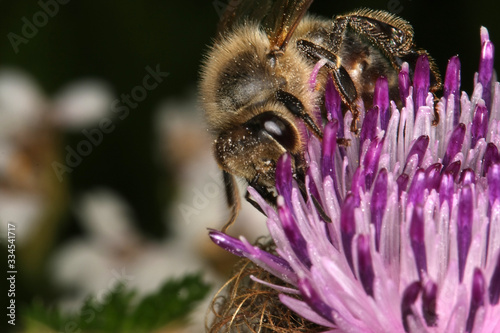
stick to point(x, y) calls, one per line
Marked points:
point(381, 101)
point(451, 86)
point(414, 239)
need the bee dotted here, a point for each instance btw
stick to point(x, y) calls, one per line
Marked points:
point(255, 81)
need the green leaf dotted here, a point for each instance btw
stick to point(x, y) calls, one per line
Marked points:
point(121, 310)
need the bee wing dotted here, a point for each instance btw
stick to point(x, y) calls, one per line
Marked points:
point(238, 11)
point(283, 20)
point(278, 17)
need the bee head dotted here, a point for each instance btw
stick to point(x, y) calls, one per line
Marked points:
point(251, 150)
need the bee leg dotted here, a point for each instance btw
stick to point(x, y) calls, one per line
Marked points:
point(295, 106)
point(435, 122)
point(341, 78)
point(391, 34)
point(267, 195)
point(254, 203)
point(343, 142)
point(317, 205)
point(232, 198)
point(302, 187)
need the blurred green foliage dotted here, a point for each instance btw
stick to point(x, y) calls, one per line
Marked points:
point(121, 311)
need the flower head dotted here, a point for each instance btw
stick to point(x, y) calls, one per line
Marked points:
point(411, 241)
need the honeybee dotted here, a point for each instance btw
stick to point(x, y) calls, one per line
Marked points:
point(254, 84)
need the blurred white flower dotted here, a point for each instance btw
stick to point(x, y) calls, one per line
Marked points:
point(22, 102)
point(31, 124)
point(82, 104)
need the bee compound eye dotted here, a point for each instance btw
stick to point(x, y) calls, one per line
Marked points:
point(268, 124)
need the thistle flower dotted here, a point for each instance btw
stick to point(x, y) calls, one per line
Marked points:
point(411, 241)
